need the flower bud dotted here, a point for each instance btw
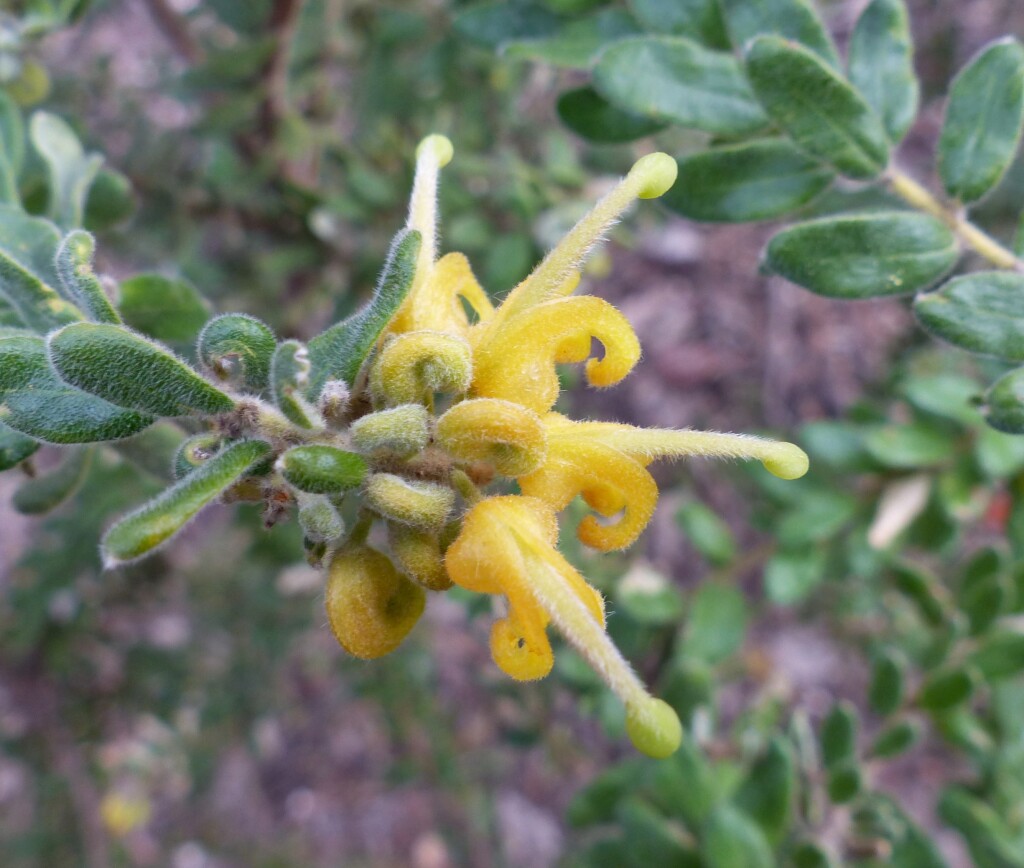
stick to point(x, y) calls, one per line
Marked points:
point(334, 401)
point(504, 434)
point(419, 556)
point(370, 605)
point(320, 469)
point(415, 365)
point(417, 504)
point(402, 429)
point(319, 519)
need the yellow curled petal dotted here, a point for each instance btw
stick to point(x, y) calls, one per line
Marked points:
point(520, 645)
point(415, 503)
point(413, 366)
point(506, 435)
point(438, 304)
point(516, 362)
point(507, 546)
point(609, 482)
point(419, 556)
point(370, 605)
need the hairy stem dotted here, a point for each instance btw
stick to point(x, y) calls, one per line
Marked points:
point(980, 242)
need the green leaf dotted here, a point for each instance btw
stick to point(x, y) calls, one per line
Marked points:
point(741, 183)
point(817, 516)
point(923, 589)
point(888, 682)
point(999, 655)
point(493, 24)
point(949, 396)
point(988, 835)
point(590, 115)
point(648, 597)
point(653, 839)
point(597, 801)
point(12, 134)
point(674, 79)
point(908, 447)
point(794, 20)
point(767, 793)
point(1004, 403)
point(237, 348)
point(289, 374)
point(999, 455)
point(576, 44)
point(716, 624)
point(981, 312)
point(110, 201)
point(168, 310)
point(323, 469)
point(881, 65)
point(34, 402)
point(983, 121)
point(730, 840)
point(838, 444)
point(838, 735)
point(153, 450)
point(863, 256)
point(131, 371)
point(74, 268)
point(816, 107)
point(71, 170)
point(790, 576)
point(340, 352)
point(14, 447)
point(810, 855)
point(984, 600)
point(708, 533)
point(698, 19)
point(946, 689)
point(28, 280)
point(45, 493)
point(896, 739)
point(141, 532)
point(685, 785)
point(844, 783)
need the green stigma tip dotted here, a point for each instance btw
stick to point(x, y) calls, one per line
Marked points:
point(656, 172)
point(654, 728)
point(787, 462)
point(440, 146)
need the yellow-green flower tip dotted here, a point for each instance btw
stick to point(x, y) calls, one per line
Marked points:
point(656, 173)
point(440, 146)
point(787, 461)
point(654, 728)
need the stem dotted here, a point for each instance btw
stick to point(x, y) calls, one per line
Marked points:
point(175, 29)
point(980, 242)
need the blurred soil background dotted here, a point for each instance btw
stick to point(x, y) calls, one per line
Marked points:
point(430, 758)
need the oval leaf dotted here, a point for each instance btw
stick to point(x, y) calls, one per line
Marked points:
point(141, 532)
point(575, 44)
point(881, 65)
point(28, 246)
point(323, 469)
point(863, 256)
point(71, 170)
point(756, 181)
point(15, 448)
point(791, 19)
point(698, 19)
point(816, 107)
point(168, 310)
point(44, 493)
point(983, 121)
point(74, 268)
point(236, 347)
point(981, 312)
point(1004, 403)
point(590, 115)
point(36, 403)
point(675, 79)
point(131, 371)
point(339, 352)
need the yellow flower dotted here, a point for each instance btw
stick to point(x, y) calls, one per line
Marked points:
point(122, 812)
point(498, 377)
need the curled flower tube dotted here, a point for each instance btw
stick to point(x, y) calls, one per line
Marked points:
point(517, 362)
point(604, 462)
point(419, 556)
point(506, 435)
point(507, 546)
point(371, 606)
point(413, 366)
point(425, 505)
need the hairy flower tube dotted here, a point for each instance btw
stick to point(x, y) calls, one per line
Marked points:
point(426, 422)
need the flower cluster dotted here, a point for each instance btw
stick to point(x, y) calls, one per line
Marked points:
point(460, 398)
